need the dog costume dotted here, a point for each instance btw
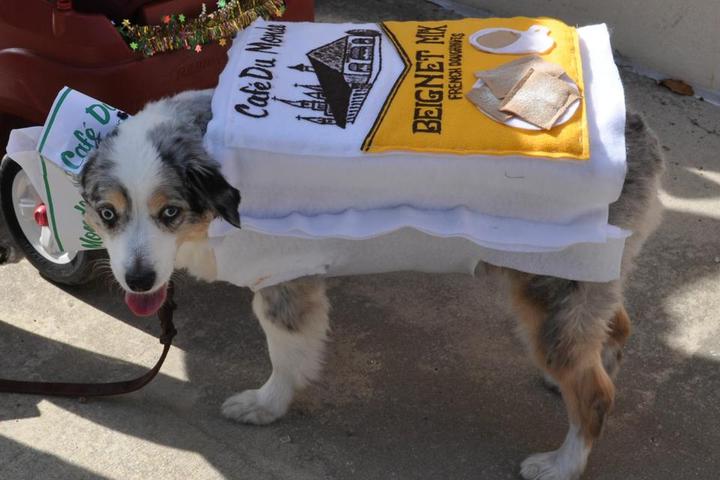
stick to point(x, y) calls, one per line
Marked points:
point(357, 151)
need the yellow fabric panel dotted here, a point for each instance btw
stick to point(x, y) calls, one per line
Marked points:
point(436, 81)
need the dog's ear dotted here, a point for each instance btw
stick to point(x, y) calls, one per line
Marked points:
point(209, 184)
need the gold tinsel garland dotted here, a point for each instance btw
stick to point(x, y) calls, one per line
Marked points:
point(178, 32)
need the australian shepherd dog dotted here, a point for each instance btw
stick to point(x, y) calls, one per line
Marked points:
point(153, 190)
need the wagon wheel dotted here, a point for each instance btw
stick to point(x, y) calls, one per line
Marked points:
point(26, 219)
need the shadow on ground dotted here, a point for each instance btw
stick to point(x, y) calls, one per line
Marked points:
point(424, 380)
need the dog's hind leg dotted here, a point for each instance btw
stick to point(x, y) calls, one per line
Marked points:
point(612, 352)
point(567, 325)
point(613, 349)
point(294, 316)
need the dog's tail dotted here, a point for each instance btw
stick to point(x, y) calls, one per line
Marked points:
point(638, 209)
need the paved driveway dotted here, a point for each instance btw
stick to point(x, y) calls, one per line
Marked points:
point(424, 376)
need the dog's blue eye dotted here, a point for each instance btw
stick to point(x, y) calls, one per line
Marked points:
point(107, 214)
point(170, 212)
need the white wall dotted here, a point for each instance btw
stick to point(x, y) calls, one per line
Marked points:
point(679, 38)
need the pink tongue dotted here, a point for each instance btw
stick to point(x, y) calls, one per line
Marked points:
point(146, 304)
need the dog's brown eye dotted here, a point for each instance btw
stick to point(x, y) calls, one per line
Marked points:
point(169, 213)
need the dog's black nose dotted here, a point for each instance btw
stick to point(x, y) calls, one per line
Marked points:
point(140, 280)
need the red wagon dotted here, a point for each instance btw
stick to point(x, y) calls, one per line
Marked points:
point(46, 45)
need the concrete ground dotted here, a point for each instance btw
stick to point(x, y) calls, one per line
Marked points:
point(424, 377)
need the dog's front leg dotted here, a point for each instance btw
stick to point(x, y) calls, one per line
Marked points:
point(294, 316)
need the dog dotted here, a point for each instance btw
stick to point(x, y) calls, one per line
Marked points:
point(152, 191)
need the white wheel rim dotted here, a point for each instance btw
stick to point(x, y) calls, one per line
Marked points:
point(25, 199)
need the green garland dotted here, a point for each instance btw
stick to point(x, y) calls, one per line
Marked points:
point(177, 32)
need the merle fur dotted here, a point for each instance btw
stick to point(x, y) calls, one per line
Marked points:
point(202, 184)
point(289, 304)
point(195, 176)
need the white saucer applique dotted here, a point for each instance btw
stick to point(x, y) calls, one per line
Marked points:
point(508, 41)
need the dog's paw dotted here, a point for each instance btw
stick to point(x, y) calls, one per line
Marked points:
point(246, 407)
point(546, 466)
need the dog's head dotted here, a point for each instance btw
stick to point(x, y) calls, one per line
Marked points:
point(149, 187)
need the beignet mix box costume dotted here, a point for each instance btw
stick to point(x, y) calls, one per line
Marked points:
point(430, 146)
